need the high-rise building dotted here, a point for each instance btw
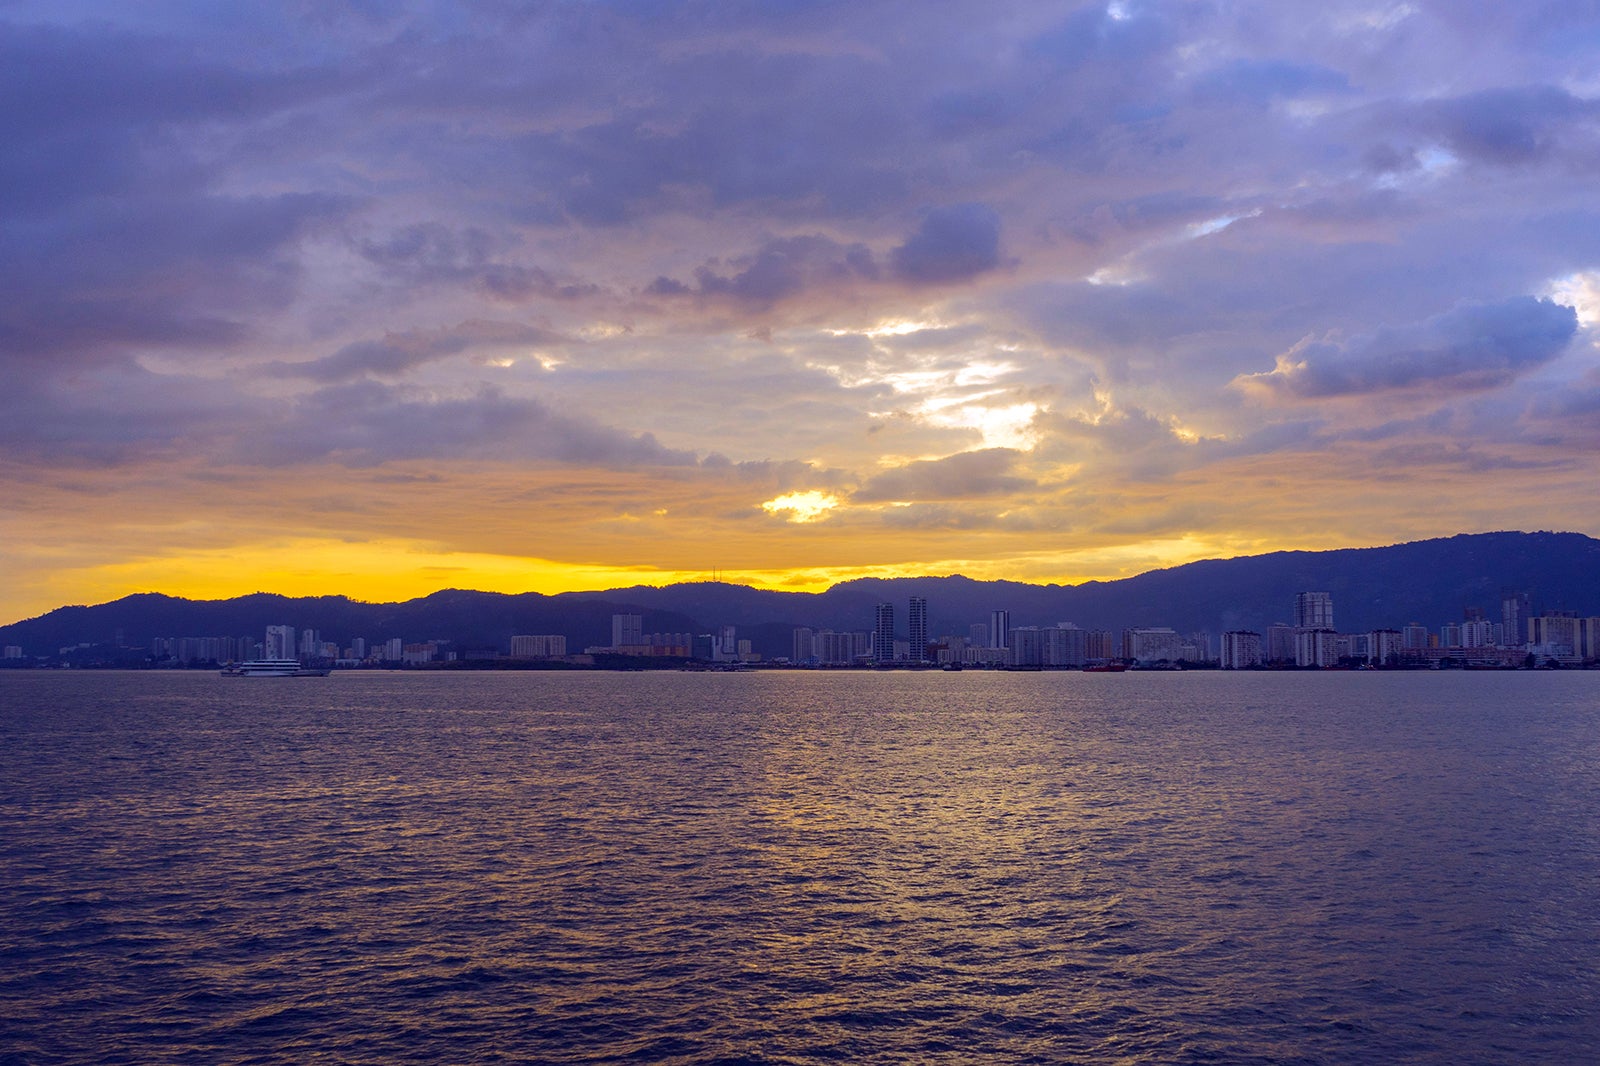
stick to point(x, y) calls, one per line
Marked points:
point(1241, 649)
point(835, 649)
point(1556, 635)
point(725, 644)
point(1152, 644)
point(805, 645)
point(1477, 633)
point(627, 630)
point(883, 633)
point(1313, 610)
point(917, 625)
point(1515, 610)
point(279, 643)
point(1025, 647)
point(538, 646)
point(1317, 647)
point(1385, 646)
point(1064, 645)
point(1280, 646)
point(999, 629)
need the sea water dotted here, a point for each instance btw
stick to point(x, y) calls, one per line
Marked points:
point(800, 867)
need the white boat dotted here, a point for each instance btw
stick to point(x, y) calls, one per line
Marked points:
point(272, 668)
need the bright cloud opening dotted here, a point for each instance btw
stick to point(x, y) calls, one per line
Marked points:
point(1581, 292)
point(809, 506)
point(1001, 426)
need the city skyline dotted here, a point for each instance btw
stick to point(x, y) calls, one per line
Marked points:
point(1553, 638)
point(460, 296)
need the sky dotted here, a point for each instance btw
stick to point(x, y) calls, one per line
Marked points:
point(379, 299)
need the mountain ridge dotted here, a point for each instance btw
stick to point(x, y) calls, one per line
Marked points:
point(1431, 581)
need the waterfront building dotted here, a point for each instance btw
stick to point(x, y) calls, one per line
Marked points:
point(917, 629)
point(1064, 645)
point(999, 629)
point(1281, 643)
point(1025, 647)
point(725, 645)
point(804, 645)
point(883, 633)
point(1317, 647)
point(1515, 609)
point(1478, 633)
point(1385, 646)
point(978, 635)
point(1151, 644)
point(1241, 648)
point(1313, 610)
point(279, 643)
point(1556, 635)
point(627, 630)
point(538, 646)
point(835, 649)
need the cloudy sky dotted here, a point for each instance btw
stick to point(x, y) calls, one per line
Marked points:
point(381, 298)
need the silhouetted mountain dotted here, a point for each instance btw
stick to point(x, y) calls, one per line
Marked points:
point(468, 620)
point(1430, 581)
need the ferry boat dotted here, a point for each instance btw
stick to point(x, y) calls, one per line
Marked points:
point(272, 668)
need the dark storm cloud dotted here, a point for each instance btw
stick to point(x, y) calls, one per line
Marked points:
point(1472, 347)
point(957, 477)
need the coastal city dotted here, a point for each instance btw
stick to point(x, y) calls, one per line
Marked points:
point(1515, 637)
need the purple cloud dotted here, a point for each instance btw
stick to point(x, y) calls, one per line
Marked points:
point(952, 244)
point(399, 352)
point(780, 268)
point(1470, 348)
point(966, 475)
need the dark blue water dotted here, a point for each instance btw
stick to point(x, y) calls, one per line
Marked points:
point(800, 868)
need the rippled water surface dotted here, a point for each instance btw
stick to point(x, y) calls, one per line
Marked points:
point(799, 868)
